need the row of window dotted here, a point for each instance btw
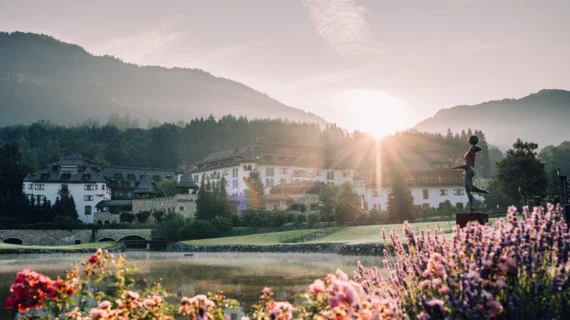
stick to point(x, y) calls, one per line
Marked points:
point(91, 187)
point(443, 192)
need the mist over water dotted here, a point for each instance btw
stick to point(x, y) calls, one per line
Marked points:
point(240, 275)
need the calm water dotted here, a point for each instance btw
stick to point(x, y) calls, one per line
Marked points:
point(240, 275)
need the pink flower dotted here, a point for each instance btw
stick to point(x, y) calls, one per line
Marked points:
point(317, 287)
point(436, 282)
point(427, 273)
point(425, 283)
point(266, 290)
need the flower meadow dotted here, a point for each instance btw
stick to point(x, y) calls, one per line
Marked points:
point(515, 269)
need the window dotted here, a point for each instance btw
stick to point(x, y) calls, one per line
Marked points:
point(87, 210)
point(88, 198)
point(345, 174)
point(283, 181)
point(269, 171)
point(283, 170)
point(271, 183)
point(425, 193)
point(458, 192)
point(442, 192)
point(330, 175)
point(181, 209)
point(102, 187)
point(88, 187)
point(249, 168)
point(40, 187)
point(30, 186)
point(318, 173)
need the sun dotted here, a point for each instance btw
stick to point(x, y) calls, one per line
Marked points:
point(375, 112)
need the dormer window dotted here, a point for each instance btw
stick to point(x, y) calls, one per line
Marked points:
point(65, 176)
point(86, 177)
point(125, 184)
point(118, 176)
point(131, 177)
point(45, 176)
point(156, 178)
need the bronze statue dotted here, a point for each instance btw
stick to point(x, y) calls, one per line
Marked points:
point(470, 171)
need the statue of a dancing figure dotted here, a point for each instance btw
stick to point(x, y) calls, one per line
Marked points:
point(470, 171)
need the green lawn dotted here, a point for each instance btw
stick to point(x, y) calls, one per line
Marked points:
point(92, 245)
point(259, 239)
point(351, 235)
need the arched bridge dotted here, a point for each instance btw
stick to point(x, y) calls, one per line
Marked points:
point(122, 235)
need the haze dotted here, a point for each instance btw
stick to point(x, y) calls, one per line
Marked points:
point(377, 66)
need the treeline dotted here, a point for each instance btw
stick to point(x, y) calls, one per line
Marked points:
point(168, 145)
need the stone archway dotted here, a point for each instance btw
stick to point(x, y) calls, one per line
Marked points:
point(106, 240)
point(12, 241)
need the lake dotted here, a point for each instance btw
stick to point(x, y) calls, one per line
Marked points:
point(240, 275)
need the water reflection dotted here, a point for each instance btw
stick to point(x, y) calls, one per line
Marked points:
point(240, 275)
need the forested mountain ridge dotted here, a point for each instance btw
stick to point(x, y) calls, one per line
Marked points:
point(542, 117)
point(43, 78)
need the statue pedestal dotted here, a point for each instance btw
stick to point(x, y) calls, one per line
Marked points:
point(463, 218)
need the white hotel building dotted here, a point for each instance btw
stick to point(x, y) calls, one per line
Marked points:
point(70, 176)
point(282, 167)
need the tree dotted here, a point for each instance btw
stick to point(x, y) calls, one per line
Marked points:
point(328, 200)
point(168, 187)
point(521, 169)
point(347, 207)
point(400, 199)
point(127, 217)
point(255, 190)
point(13, 168)
point(202, 201)
point(171, 227)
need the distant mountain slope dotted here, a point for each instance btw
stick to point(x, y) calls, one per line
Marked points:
point(43, 78)
point(542, 117)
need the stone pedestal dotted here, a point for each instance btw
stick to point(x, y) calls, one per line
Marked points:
point(463, 218)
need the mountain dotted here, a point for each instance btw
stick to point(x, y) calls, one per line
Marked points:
point(542, 117)
point(43, 78)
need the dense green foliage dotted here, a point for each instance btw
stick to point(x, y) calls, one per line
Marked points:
point(400, 199)
point(255, 190)
point(521, 172)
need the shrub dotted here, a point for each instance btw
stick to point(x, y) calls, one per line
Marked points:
point(222, 224)
point(158, 215)
point(127, 217)
point(142, 216)
point(200, 229)
point(171, 227)
point(236, 221)
point(313, 219)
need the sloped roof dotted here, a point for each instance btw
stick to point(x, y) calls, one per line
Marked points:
point(267, 153)
point(145, 186)
point(85, 172)
point(186, 181)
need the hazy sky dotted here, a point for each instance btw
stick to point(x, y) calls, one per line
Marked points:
point(376, 65)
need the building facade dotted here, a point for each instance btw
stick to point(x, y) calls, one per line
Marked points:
point(72, 176)
point(277, 165)
point(108, 189)
point(285, 171)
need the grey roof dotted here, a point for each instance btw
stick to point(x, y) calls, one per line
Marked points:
point(76, 169)
point(130, 177)
point(145, 186)
point(267, 153)
point(115, 203)
point(186, 181)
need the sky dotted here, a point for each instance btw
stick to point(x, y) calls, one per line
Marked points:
point(372, 65)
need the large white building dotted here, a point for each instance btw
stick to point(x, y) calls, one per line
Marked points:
point(71, 176)
point(428, 175)
point(102, 189)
